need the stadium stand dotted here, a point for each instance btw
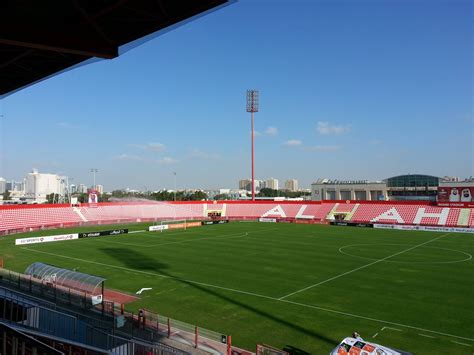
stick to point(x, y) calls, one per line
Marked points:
point(14, 219)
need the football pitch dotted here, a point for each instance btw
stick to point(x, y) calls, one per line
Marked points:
point(298, 287)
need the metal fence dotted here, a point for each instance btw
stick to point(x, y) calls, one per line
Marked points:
point(29, 315)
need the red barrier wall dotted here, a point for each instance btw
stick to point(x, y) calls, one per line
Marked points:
point(18, 218)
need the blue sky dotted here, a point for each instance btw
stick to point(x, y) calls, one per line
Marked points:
point(349, 89)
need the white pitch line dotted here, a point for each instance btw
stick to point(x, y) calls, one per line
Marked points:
point(361, 267)
point(398, 330)
point(256, 295)
point(375, 319)
point(457, 342)
point(427, 336)
point(137, 231)
point(373, 336)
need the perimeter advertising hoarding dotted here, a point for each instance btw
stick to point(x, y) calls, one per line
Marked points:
point(425, 228)
point(46, 239)
point(352, 224)
point(157, 228)
point(102, 233)
point(222, 221)
point(456, 194)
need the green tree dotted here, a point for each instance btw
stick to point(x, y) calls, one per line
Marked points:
point(6, 195)
point(222, 197)
point(52, 198)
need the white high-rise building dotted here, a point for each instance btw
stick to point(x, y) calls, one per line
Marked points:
point(99, 189)
point(37, 185)
point(82, 189)
point(272, 183)
point(291, 185)
point(3, 185)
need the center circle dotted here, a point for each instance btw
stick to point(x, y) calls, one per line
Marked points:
point(419, 255)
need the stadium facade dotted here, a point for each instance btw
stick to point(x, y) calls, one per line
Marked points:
point(411, 187)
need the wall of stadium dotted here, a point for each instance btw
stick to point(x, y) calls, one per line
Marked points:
point(20, 218)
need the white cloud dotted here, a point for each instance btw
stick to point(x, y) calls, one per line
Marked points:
point(256, 133)
point(126, 156)
point(199, 154)
point(271, 131)
point(328, 128)
point(293, 143)
point(153, 147)
point(323, 148)
point(167, 161)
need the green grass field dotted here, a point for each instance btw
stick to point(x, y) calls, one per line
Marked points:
point(292, 286)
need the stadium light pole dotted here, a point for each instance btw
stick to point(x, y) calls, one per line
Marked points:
point(252, 106)
point(94, 171)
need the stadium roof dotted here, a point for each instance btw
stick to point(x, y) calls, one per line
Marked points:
point(42, 38)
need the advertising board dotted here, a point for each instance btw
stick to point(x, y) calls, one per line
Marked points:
point(46, 239)
point(102, 233)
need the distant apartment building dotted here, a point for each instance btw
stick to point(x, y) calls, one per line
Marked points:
point(99, 189)
point(272, 183)
point(3, 185)
point(291, 185)
point(245, 184)
point(18, 186)
point(81, 188)
point(39, 185)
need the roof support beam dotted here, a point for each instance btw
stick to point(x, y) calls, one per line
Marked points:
point(106, 52)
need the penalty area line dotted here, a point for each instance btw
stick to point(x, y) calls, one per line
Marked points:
point(328, 310)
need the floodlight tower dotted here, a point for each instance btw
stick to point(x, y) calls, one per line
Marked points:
point(252, 106)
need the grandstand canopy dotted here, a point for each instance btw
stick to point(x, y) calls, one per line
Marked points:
point(41, 38)
point(90, 284)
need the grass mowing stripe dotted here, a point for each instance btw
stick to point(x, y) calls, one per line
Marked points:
point(258, 295)
point(150, 273)
point(225, 236)
point(361, 267)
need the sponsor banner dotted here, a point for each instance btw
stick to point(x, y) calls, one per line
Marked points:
point(455, 194)
point(406, 227)
point(425, 228)
point(222, 221)
point(352, 224)
point(267, 220)
point(157, 228)
point(447, 229)
point(198, 224)
point(102, 233)
point(456, 204)
point(52, 238)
